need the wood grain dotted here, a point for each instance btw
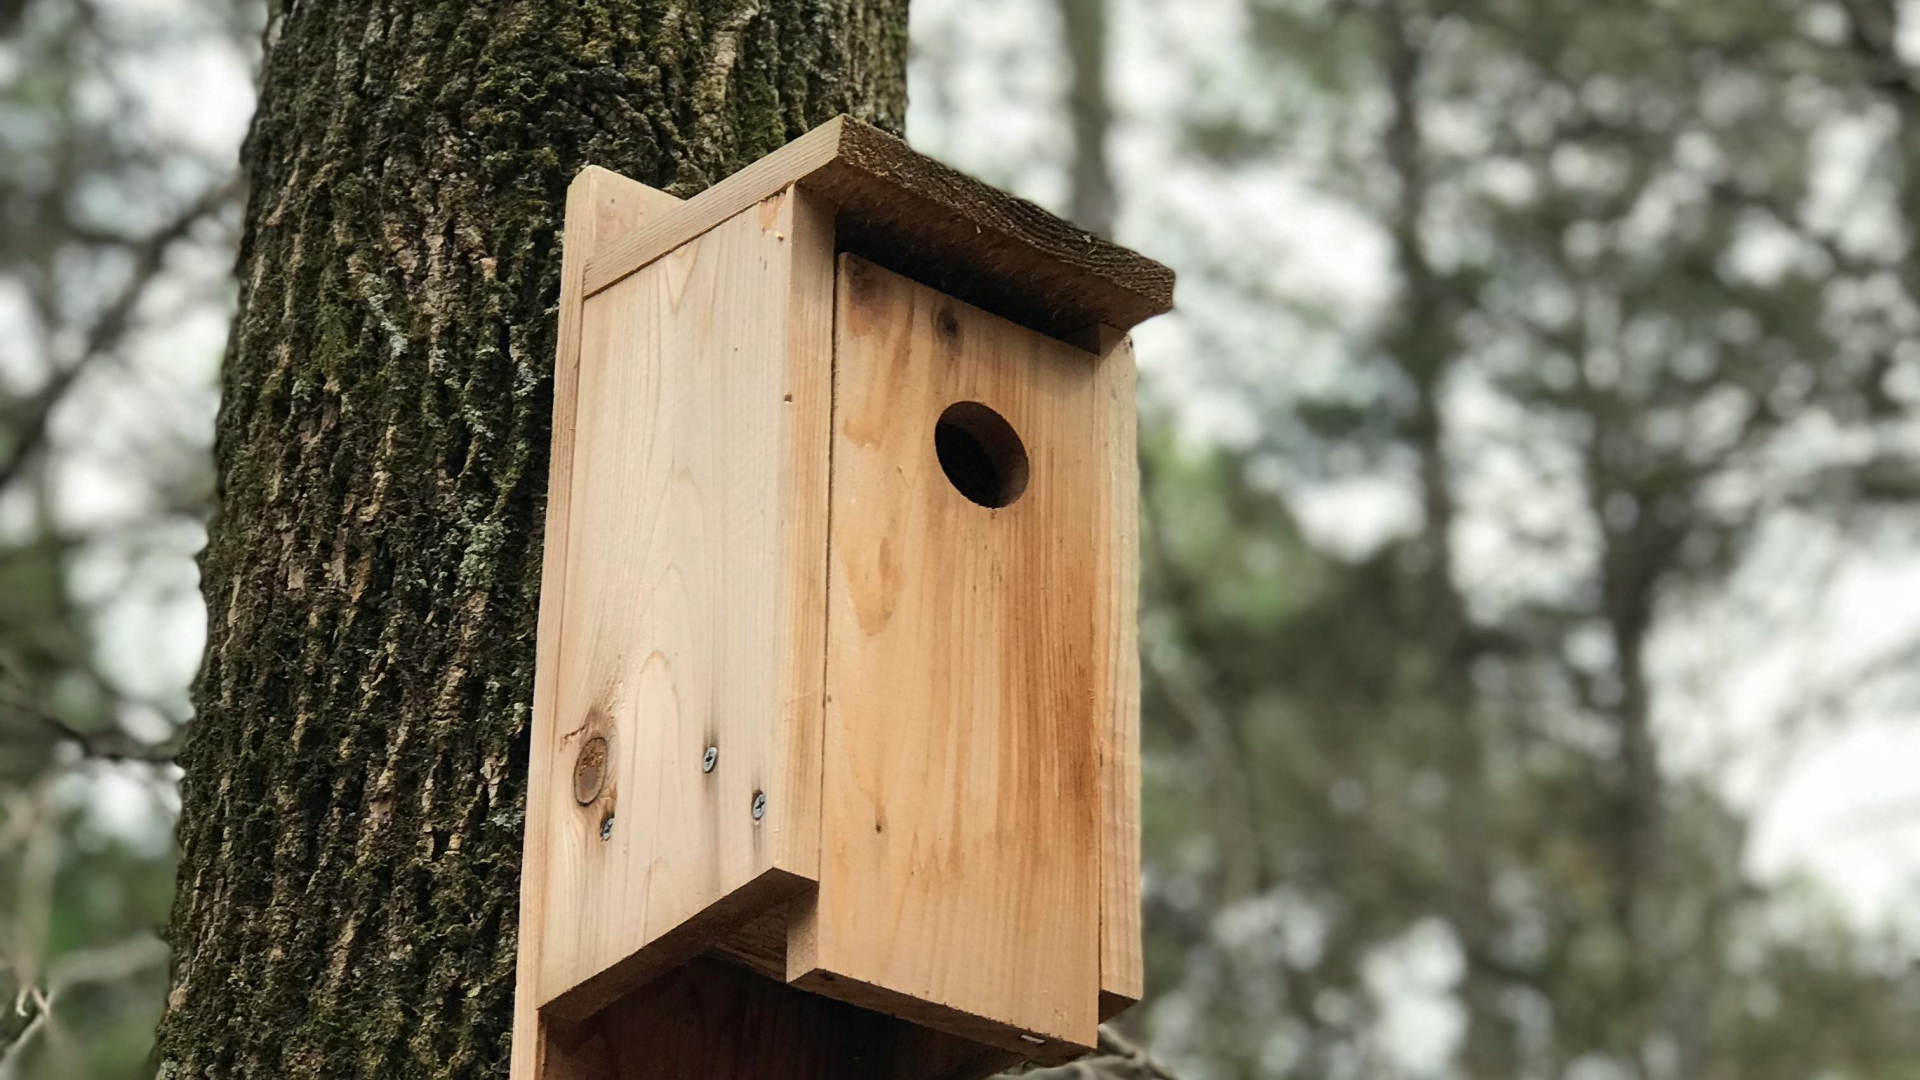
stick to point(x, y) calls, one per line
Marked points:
point(760, 945)
point(600, 206)
point(771, 174)
point(929, 222)
point(694, 582)
point(1122, 972)
point(968, 682)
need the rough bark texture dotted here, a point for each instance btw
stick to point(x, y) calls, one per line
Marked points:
point(350, 829)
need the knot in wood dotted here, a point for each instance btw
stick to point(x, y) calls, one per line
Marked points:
point(590, 770)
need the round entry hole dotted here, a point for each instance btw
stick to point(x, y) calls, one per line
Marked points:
point(981, 454)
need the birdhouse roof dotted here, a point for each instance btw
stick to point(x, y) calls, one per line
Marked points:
point(920, 218)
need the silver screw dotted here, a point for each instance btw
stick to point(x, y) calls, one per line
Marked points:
point(606, 827)
point(1031, 1039)
point(759, 805)
point(713, 758)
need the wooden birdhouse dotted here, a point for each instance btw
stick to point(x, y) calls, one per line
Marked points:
point(835, 756)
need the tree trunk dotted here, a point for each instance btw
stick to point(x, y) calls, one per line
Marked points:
point(355, 776)
point(1425, 343)
point(1092, 201)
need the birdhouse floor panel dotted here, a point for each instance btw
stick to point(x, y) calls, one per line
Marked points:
point(709, 1020)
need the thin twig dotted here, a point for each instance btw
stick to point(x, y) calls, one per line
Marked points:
point(105, 965)
point(112, 745)
point(1234, 808)
point(1118, 1059)
point(1113, 1044)
point(97, 745)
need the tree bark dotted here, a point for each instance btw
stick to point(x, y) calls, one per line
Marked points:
point(355, 776)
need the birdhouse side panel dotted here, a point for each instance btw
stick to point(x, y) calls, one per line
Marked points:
point(1122, 970)
point(684, 763)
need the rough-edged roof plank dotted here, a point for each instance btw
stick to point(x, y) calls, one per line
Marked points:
point(927, 221)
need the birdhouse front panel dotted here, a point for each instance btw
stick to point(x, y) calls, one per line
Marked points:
point(961, 829)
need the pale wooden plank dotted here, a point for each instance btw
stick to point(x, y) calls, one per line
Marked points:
point(1122, 973)
point(764, 178)
point(806, 221)
point(929, 222)
point(705, 390)
point(960, 879)
point(600, 205)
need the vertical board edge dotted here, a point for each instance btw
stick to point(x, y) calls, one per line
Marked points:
point(1122, 974)
point(806, 473)
point(600, 205)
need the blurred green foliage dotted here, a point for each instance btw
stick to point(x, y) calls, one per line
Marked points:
point(1410, 808)
point(115, 233)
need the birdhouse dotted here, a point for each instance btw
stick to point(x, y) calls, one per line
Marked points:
point(834, 768)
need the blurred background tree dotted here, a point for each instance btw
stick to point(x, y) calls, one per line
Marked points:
point(116, 206)
point(1543, 386)
point(1636, 331)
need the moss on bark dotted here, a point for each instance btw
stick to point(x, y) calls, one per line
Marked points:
point(350, 827)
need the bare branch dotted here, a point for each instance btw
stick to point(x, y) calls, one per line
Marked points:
point(114, 745)
point(1118, 1059)
point(1875, 37)
point(29, 416)
point(1135, 1057)
point(107, 964)
point(96, 745)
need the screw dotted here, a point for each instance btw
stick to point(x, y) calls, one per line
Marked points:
point(1033, 1040)
point(606, 827)
point(713, 758)
point(590, 770)
point(759, 805)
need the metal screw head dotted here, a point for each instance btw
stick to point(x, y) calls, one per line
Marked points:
point(711, 759)
point(590, 770)
point(759, 805)
point(606, 827)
